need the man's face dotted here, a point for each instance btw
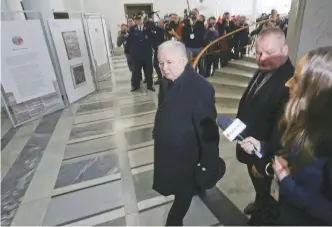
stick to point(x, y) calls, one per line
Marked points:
point(171, 63)
point(274, 13)
point(139, 22)
point(201, 18)
point(131, 22)
point(227, 17)
point(212, 22)
point(161, 23)
point(174, 18)
point(123, 28)
point(243, 19)
point(270, 53)
point(194, 15)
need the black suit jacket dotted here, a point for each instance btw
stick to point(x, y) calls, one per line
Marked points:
point(262, 113)
point(185, 129)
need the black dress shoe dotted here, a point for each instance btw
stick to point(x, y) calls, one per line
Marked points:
point(144, 81)
point(151, 89)
point(249, 210)
point(134, 89)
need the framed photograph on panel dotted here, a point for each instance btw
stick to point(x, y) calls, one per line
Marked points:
point(72, 45)
point(78, 75)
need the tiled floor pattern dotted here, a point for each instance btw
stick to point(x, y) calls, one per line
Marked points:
point(92, 164)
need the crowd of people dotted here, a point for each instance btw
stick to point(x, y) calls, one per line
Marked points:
point(286, 111)
point(196, 32)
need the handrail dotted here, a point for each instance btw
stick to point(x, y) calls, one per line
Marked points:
point(222, 37)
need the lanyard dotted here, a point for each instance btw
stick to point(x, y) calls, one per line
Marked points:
point(266, 78)
point(192, 26)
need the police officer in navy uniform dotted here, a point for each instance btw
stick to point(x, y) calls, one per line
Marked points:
point(140, 46)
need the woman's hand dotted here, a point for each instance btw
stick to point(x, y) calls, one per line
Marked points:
point(280, 167)
point(249, 144)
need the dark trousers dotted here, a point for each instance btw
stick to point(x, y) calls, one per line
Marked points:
point(266, 208)
point(129, 62)
point(224, 58)
point(138, 64)
point(211, 61)
point(239, 49)
point(156, 65)
point(179, 209)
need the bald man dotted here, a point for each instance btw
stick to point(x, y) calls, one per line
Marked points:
point(259, 109)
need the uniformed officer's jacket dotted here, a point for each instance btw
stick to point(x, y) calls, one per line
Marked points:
point(158, 37)
point(140, 42)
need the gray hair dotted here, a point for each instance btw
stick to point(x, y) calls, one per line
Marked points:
point(277, 32)
point(174, 46)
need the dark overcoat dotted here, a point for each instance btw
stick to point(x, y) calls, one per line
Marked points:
point(185, 129)
point(261, 114)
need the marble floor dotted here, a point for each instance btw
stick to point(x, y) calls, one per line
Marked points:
point(92, 164)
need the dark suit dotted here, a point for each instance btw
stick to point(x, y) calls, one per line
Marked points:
point(261, 115)
point(140, 48)
point(180, 134)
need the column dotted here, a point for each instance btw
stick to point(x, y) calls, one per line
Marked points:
point(310, 26)
point(254, 9)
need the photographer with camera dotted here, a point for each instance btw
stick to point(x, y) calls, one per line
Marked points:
point(174, 28)
point(193, 33)
point(122, 40)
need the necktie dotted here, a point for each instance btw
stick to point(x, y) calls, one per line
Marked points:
point(254, 87)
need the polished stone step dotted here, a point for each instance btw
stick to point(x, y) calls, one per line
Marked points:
point(227, 101)
point(230, 89)
point(233, 74)
point(238, 81)
point(231, 112)
point(250, 58)
point(243, 65)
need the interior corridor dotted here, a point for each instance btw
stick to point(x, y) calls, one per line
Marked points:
point(92, 164)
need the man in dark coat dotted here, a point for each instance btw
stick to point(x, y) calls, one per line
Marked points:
point(185, 131)
point(260, 107)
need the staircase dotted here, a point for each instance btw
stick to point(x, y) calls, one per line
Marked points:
point(230, 83)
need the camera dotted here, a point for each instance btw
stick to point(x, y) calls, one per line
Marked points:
point(263, 16)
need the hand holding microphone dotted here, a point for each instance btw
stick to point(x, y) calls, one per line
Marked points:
point(232, 131)
point(249, 144)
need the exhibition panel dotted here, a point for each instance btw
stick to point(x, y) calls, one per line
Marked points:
point(30, 87)
point(98, 41)
point(71, 47)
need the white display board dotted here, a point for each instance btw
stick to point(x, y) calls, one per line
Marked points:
point(97, 37)
point(69, 40)
point(30, 86)
point(27, 70)
point(106, 37)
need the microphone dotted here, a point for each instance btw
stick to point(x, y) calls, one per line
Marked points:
point(233, 129)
